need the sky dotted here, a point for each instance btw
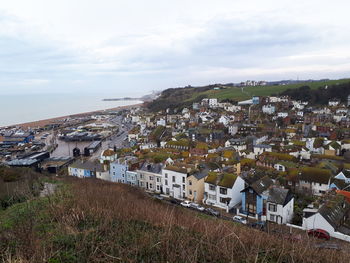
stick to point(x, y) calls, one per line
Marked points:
point(130, 48)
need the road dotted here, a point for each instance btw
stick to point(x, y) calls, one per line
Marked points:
point(117, 140)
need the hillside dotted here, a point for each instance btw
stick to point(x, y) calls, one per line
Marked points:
point(184, 97)
point(96, 221)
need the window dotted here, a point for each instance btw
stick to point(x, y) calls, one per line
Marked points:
point(183, 186)
point(189, 182)
point(272, 207)
point(223, 200)
point(150, 186)
point(190, 192)
point(167, 191)
point(151, 178)
point(173, 179)
point(141, 184)
point(183, 179)
point(166, 182)
point(211, 187)
point(272, 218)
point(223, 191)
point(158, 188)
point(166, 175)
point(141, 176)
point(158, 179)
point(212, 197)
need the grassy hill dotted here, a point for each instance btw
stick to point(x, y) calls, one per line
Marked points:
point(184, 97)
point(96, 221)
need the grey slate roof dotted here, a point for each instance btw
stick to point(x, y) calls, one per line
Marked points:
point(263, 184)
point(87, 165)
point(152, 167)
point(279, 196)
point(337, 213)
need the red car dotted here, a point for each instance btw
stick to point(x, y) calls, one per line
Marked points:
point(319, 233)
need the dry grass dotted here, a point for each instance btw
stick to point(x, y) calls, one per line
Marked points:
point(96, 221)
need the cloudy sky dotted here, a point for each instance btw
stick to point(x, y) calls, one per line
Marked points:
point(132, 47)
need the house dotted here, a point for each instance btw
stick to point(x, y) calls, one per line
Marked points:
point(333, 216)
point(149, 177)
point(261, 148)
point(195, 186)
point(88, 169)
point(282, 114)
point(332, 148)
point(280, 205)
point(174, 181)
point(316, 181)
point(333, 102)
point(268, 109)
point(108, 156)
point(254, 198)
point(223, 190)
point(344, 176)
point(131, 178)
point(233, 129)
point(237, 144)
point(213, 103)
point(118, 171)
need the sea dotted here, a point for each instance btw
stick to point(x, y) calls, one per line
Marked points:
point(16, 109)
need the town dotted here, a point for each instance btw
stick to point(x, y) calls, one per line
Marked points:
point(268, 160)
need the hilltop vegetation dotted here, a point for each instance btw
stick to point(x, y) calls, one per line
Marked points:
point(321, 95)
point(96, 221)
point(184, 97)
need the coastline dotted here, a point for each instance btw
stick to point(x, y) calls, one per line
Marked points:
point(44, 122)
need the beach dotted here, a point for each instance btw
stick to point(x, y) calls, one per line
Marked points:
point(44, 122)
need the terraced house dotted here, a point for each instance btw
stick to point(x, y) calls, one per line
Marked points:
point(149, 177)
point(174, 181)
point(223, 190)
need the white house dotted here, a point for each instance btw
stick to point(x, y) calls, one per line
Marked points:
point(268, 109)
point(333, 102)
point(108, 155)
point(237, 144)
point(279, 205)
point(161, 122)
point(88, 169)
point(344, 175)
point(224, 120)
point(233, 129)
point(260, 148)
point(213, 103)
point(223, 190)
point(174, 182)
point(149, 177)
point(282, 114)
point(233, 108)
point(333, 217)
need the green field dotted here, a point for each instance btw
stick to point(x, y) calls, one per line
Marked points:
point(235, 93)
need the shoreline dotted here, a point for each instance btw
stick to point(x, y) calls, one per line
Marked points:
point(44, 122)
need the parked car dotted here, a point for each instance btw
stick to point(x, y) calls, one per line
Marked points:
point(239, 219)
point(186, 203)
point(174, 201)
point(212, 212)
point(319, 233)
point(197, 206)
point(158, 197)
point(258, 225)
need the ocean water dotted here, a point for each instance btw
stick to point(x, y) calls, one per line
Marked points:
point(15, 109)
